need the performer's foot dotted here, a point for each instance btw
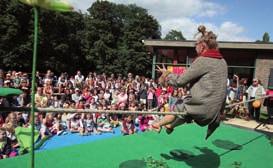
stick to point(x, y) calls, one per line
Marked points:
point(156, 127)
point(169, 130)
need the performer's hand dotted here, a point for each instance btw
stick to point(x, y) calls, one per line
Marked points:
point(161, 70)
point(164, 73)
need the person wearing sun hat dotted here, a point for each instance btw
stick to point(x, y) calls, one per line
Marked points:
point(207, 80)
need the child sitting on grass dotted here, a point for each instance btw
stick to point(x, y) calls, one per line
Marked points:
point(75, 124)
point(51, 125)
point(145, 121)
point(90, 125)
point(128, 125)
point(104, 124)
point(114, 120)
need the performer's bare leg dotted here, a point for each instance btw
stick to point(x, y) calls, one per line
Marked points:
point(170, 127)
point(167, 119)
point(177, 122)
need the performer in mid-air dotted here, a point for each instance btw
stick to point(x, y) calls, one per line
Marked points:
point(207, 79)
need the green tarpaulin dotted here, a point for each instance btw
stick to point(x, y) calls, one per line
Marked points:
point(23, 136)
point(4, 92)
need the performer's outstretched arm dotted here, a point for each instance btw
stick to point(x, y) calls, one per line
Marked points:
point(196, 70)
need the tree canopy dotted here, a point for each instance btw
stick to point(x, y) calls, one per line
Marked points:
point(174, 35)
point(266, 37)
point(105, 39)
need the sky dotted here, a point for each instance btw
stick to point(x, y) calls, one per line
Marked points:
point(231, 20)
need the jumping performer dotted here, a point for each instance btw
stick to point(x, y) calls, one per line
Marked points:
point(206, 78)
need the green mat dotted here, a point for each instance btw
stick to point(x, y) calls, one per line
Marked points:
point(229, 147)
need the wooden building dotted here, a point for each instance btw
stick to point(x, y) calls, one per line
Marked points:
point(246, 59)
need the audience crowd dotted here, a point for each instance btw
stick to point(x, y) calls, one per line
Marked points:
point(99, 92)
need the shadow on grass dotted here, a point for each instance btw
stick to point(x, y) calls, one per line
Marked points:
point(133, 164)
point(207, 158)
point(226, 144)
point(268, 135)
point(270, 139)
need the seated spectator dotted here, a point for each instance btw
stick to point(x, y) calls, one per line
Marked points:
point(143, 121)
point(62, 81)
point(16, 80)
point(64, 121)
point(128, 125)
point(66, 96)
point(122, 99)
point(89, 81)
point(48, 89)
point(90, 125)
point(131, 97)
point(172, 99)
point(94, 94)
point(47, 124)
point(114, 119)
point(51, 125)
point(8, 81)
point(79, 78)
point(24, 85)
point(115, 96)
point(104, 124)
point(142, 94)
point(56, 103)
point(6, 149)
point(150, 97)
point(2, 121)
point(40, 99)
point(80, 104)
point(59, 125)
point(75, 123)
point(23, 100)
point(20, 120)
point(43, 132)
point(107, 96)
point(72, 105)
point(38, 125)
point(86, 95)
point(76, 97)
point(39, 79)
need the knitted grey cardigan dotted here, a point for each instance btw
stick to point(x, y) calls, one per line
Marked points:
point(207, 78)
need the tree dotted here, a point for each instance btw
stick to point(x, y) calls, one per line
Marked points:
point(59, 38)
point(60, 41)
point(266, 37)
point(103, 29)
point(15, 45)
point(107, 39)
point(138, 25)
point(114, 37)
point(174, 35)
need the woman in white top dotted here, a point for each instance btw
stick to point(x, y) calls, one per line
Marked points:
point(256, 90)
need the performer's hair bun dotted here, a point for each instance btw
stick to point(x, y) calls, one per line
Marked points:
point(208, 37)
point(202, 29)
